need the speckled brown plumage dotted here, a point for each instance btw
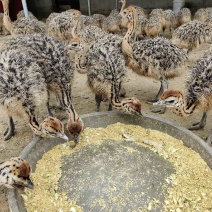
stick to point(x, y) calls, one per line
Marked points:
point(184, 16)
point(61, 25)
point(54, 66)
point(15, 173)
point(192, 34)
point(106, 73)
point(198, 93)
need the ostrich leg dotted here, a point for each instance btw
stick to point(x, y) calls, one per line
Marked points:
point(110, 107)
point(10, 131)
point(98, 99)
point(200, 124)
point(163, 87)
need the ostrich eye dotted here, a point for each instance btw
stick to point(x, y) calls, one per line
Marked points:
point(52, 133)
point(74, 44)
point(170, 101)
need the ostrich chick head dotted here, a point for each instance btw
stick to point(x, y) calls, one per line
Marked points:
point(170, 98)
point(75, 128)
point(18, 176)
point(131, 105)
point(53, 127)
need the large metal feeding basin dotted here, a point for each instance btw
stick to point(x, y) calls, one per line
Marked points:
point(145, 168)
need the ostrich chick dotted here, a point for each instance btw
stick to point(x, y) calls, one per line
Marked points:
point(15, 173)
point(61, 25)
point(191, 35)
point(157, 58)
point(184, 16)
point(23, 25)
point(22, 92)
point(198, 93)
point(106, 73)
point(55, 68)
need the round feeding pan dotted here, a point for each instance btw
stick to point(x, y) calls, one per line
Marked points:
point(109, 166)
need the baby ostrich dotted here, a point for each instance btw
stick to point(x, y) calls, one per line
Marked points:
point(155, 24)
point(112, 23)
point(61, 25)
point(106, 72)
point(23, 25)
point(22, 91)
point(191, 35)
point(55, 68)
point(141, 22)
point(170, 20)
point(157, 58)
point(198, 93)
point(15, 173)
point(184, 16)
point(91, 33)
point(98, 18)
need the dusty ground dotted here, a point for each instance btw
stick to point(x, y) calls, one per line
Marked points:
point(83, 100)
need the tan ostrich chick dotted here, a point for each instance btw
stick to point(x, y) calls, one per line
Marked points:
point(157, 58)
point(198, 93)
point(15, 173)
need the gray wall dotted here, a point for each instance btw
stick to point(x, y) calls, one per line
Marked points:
point(104, 6)
point(41, 8)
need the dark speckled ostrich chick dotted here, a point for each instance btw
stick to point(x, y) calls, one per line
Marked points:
point(41, 65)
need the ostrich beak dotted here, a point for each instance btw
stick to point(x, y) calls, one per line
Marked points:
point(30, 184)
point(76, 139)
point(63, 136)
point(139, 114)
point(159, 102)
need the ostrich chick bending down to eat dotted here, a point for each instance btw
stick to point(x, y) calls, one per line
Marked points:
point(52, 59)
point(22, 92)
point(157, 57)
point(198, 93)
point(106, 72)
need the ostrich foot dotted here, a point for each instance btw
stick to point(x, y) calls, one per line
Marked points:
point(110, 107)
point(98, 99)
point(10, 131)
point(197, 126)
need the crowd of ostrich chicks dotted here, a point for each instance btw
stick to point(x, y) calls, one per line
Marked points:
point(41, 58)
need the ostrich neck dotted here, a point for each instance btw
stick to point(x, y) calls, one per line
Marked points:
point(34, 125)
point(186, 108)
point(73, 32)
point(114, 98)
point(73, 116)
point(7, 21)
point(123, 6)
point(126, 47)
